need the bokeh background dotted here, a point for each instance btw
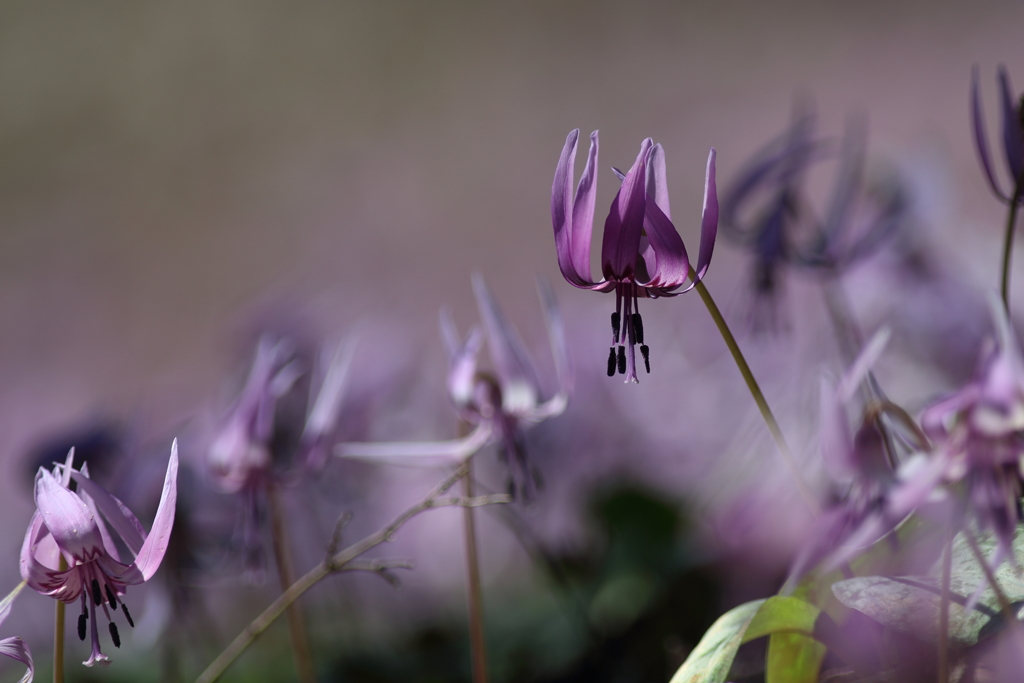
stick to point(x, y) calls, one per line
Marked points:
point(177, 177)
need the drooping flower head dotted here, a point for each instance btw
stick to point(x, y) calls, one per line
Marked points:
point(242, 454)
point(510, 397)
point(76, 526)
point(1013, 137)
point(980, 431)
point(498, 404)
point(642, 254)
point(766, 209)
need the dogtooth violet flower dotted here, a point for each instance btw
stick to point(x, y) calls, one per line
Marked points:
point(241, 455)
point(1013, 137)
point(78, 525)
point(766, 210)
point(642, 254)
point(14, 647)
point(497, 405)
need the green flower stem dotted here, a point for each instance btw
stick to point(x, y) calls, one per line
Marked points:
point(1011, 223)
point(755, 391)
point(296, 624)
point(58, 633)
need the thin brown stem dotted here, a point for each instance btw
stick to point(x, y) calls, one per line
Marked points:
point(478, 644)
point(58, 634)
point(296, 624)
point(755, 391)
point(339, 562)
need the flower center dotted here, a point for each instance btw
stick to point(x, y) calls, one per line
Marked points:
point(627, 332)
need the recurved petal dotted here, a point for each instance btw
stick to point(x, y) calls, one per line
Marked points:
point(574, 224)
point(17, 649)
point(67, 518)
point(152, 552)
point(516, 372)
point(559, 351)
point(980, 137)
point(1012, 142)
point(328, 401)
point(462, 360)
point(420, 453)
point(624, 225)
point(671, 264)
point(709, 218)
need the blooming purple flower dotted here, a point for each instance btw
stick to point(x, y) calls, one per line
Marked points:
point(497, 405)
point(1013, 137)
point(74, 525)
point(14, 647)
point(642, 254)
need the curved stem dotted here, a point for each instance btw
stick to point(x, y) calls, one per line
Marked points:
point(1011, 222)
point(755, 391)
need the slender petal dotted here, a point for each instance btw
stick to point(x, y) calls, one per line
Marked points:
point(117, 513)
point(625, 221)
point(560, 352)
point(152, 552)
point(462, 360)
point(573, 216)
point(420, 453)
point(709, 218)
point(981, 138)
point(1012, 142)
point(17, 649)
point(517, 374)
point(671, 266)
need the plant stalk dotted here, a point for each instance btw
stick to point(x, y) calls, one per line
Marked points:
point(341, 561)
point(755, 391)
point(478, 644)
point(296, 624)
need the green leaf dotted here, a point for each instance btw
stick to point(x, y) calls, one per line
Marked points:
point(711, 659)
point(793, 658)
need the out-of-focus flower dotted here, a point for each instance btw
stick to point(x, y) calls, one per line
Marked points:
point(241, 455)
point(14, 647)
point(980, 429)
point(74, 525)
point(497, 405)
point(1013, 137)
point(781, 228)
point(642, 254)
point(858, 462)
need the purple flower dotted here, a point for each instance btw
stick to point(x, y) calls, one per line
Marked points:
point(857, 462)
point(1013, 137)
point(241, 456)
point(642, 254)
point(497, 405)
point(980, 433)
point(766, 209)
point(15, 647)
point(74, 525)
